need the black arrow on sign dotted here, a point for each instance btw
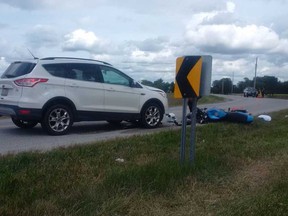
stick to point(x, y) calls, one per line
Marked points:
point(181, 78)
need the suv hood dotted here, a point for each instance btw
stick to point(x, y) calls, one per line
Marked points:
point(153, 89)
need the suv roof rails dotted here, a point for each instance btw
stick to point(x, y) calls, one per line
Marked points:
point(52, 58)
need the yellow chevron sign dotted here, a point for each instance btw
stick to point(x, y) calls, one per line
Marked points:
point(188, 77)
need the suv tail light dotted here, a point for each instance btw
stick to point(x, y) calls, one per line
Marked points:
point(29, 82)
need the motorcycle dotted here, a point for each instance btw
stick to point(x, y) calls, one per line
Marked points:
point(205, 115)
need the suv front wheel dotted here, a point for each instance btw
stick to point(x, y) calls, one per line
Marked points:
point(57, 120)
point(151, 115)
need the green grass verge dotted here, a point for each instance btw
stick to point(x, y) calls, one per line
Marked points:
point(279, 96)
point(239, 170)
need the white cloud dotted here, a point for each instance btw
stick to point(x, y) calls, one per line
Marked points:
point(81, 38)
point(145, 38)
point(206, 32)
point(233, 69)
point(85, 40)
point(142, 56)
point(28, 4)
point(151, 44)
point(230, 6)
point(3, 46)
point(3, 65)
point(268, 68)
point(282, 47)
point(47, 4)
point(233, 39)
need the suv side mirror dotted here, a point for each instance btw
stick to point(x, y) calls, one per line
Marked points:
point(135, 84)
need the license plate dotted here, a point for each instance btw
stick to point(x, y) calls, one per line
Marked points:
point(4, 92)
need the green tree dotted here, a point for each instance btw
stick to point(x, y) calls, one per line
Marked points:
point(159, 84)
point(269, 83)
point(147, 82)
point(283, 88)
point(243, 84)
point(165, 86)
point(223, 86)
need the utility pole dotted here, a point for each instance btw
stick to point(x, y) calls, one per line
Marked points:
point(255, 72)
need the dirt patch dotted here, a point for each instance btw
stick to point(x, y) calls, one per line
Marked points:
point(255, 174)
point(144, 159)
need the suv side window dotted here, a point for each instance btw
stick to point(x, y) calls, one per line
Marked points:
point(17, 69)
point(113, 76)
point(85, 72)
point(58, 70)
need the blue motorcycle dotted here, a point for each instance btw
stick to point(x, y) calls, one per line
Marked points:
point(205, 115)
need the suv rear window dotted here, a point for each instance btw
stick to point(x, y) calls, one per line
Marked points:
point(58, 70)
point(17, 69)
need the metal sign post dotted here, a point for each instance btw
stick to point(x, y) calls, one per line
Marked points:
point(193, 79)
point(183, 132)
point(193, 131)
point(192, 134)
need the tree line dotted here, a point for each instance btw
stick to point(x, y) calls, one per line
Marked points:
point(165, 86)
point(271, 84)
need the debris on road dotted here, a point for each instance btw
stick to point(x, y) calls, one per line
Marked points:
point(265, 118)
point(120, 160)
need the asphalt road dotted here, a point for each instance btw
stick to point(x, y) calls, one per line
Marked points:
point(14, 140)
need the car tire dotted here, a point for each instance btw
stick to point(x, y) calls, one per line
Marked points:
point(151, 115)
point(57, 120)
point(24, 124)
point(203, 119)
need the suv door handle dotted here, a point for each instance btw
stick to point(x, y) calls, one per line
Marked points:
point(111, 89)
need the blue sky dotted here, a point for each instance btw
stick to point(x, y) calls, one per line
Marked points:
point(144, 38)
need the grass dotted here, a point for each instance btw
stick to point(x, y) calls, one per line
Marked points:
point(204, 100)
point(279, 96)
point(239, 170)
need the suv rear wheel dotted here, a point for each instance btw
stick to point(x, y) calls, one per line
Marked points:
point(57, 120)
point(151, 115)
point(24, 124)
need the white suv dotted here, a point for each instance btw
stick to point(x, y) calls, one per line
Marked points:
point(58, 91)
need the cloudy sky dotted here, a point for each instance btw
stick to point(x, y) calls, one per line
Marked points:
point(144, 38)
